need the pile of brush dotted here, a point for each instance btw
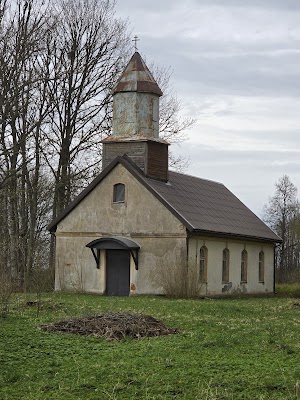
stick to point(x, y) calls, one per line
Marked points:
point(113, 326)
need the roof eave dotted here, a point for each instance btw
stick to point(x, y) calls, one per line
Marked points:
point(235, 236)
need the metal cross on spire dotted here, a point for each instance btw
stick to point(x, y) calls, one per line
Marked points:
point(135, 40)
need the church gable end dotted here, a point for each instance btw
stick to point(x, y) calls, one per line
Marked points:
point(140, 212)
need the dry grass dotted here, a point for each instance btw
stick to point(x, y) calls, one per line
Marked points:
point(178, 281)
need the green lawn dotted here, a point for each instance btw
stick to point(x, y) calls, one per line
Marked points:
point(225, 349)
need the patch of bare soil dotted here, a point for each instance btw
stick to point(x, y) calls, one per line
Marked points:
point(113, 326)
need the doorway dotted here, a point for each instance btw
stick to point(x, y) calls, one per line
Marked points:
point(117, 272)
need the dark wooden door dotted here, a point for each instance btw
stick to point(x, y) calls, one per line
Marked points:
point(117, 272)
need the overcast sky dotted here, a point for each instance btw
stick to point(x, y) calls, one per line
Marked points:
point(236, 70)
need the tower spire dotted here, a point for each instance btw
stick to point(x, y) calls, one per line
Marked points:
point(136, 121)
point(137, 78)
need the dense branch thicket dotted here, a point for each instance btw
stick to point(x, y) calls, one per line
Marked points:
point(24, 109)
point(282, 214)
point(58, 63)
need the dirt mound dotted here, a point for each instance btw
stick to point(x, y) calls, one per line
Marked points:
point(113, 326)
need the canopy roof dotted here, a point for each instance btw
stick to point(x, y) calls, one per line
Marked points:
point(114, 243)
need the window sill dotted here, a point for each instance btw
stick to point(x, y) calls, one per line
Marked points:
point(119, 204)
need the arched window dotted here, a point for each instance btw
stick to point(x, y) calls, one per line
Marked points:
point(244, 265)
point(261, 267)
point(119, 193)
point(225, 266)
point(203, 265)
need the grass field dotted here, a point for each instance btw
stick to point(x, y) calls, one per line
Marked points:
point(225, 349)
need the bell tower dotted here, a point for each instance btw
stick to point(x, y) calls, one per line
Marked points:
point(136, 122)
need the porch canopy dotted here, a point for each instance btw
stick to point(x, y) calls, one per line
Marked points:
point(114, 243)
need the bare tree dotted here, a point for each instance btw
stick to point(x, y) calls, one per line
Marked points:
point(22, 109)
point(282, 214)
point(172, 126)
point(88, 53)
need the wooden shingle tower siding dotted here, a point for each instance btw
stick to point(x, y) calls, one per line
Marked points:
point(136, 122)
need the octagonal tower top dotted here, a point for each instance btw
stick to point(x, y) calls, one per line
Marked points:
point(137, 78)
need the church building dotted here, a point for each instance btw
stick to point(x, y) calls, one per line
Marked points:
point(140, 229)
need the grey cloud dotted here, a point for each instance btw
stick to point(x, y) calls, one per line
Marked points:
point(247, 74)
point(267, 4)
point(161, 6)
point(235, 166)
point(250, 175)
point(242, 75)
point(289, 139)
point(207, 155)
point(130, 6)
point(212, 67)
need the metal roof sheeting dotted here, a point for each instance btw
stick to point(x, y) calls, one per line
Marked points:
point(137, 78)
point(210, 207)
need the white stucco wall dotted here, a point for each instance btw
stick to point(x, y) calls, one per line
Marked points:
point(215, 247)
point(142, 218)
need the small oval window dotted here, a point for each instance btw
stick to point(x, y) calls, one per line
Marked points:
point(119, 193)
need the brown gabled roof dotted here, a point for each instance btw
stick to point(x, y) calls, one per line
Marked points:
point(210, 208)
point(137, 78)
point(203, 206)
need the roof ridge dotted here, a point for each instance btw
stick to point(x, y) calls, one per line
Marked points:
point(196, 177)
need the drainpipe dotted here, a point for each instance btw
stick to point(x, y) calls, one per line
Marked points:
point(187, 263)
point(274, 268)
